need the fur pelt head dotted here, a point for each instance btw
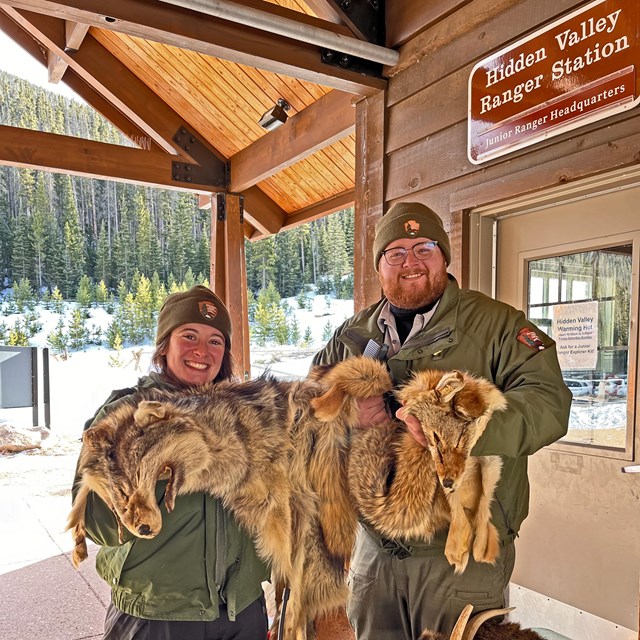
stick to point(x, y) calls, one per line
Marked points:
point(453, 408)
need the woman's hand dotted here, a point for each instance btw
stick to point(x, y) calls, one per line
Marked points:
point(372, 411)
point(413, 426)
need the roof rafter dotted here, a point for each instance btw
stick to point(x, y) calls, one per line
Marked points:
point(211, 36)
point(66, 154)
point(322, 123)
point(315, 211)
point(74, 34)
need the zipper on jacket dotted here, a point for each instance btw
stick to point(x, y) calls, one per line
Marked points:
point(510, 532)
point(428, 339)
point(220, 572)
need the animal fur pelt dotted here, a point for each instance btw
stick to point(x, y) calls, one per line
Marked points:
point(285, 458)
point(483, 626)
point(403, 490)
point(259, 447)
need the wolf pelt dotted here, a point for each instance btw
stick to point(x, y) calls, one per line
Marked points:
point(403, 490)
point(261, 449)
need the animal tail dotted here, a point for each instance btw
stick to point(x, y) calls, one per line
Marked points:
point(75, 521)
point(358, 378)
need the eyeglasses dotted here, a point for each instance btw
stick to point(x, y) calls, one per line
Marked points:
point(422, 251)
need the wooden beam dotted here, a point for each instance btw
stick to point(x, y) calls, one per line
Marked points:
point(322, 123)
point(313, 212)
point(83, 89)
point(370, 196)
point(325, 9)
point(321, 209)
point(104, 73)
point(194, 31)
point(236, 286)
point(56, 67)
point(262, 212)
point(66, 154)
point(74, 35)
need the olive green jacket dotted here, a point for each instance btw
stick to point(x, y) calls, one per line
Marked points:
point(474, 333)
point(199, 559)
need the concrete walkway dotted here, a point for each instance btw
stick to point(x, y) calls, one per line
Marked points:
point(41, 594)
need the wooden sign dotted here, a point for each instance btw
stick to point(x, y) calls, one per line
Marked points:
point(579, 69)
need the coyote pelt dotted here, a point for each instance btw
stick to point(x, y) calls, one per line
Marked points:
point(259, 447)
point(405, 491)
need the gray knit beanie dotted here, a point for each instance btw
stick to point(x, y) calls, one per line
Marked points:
point(409, 220)
point(197, 305)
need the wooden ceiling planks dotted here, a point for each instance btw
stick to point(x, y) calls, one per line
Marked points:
point(223, 101)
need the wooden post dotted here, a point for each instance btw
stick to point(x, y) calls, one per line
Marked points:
point(229, 274)
point(236, 285)
point(369, 207)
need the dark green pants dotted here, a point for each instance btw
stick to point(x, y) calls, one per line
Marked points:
point(394, 596)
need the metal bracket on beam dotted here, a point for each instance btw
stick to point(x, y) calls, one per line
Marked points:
point(221, 207)
point(366, 18)
point(345, 61)
point(210, 169)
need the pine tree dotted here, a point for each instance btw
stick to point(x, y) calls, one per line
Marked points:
point(147, 246)
point(294, 331)
point(23, 295)
point(78, 332)
point(102, 293)
point(59, 341)
point(103, 257)
point(116, 345)
point(280, 326)
point(22, 259)
point(85, 295)
point(18, 335)
point(74, 255)
point(307, 339)
point(41, 230)
point(57, 302)
point(144, 312)
point(327, 331)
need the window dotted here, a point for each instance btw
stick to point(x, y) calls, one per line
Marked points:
point(583, 301)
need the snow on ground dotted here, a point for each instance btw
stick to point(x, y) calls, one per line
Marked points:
point(80, 384)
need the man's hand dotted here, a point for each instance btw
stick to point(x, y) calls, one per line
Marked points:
point(413, 426)
point(372, 411)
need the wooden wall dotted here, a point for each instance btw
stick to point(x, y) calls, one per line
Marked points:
point(425, 122)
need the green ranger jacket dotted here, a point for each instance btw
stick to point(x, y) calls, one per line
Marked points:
point(199, 559)
point(474, 333)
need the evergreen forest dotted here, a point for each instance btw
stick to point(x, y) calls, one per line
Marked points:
point(58, 232)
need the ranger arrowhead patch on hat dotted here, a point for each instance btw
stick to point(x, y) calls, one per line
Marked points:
point(207, 309)
point(412, 227)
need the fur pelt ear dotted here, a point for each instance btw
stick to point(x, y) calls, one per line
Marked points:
point(149, 412)
point(98, 438)
point(328, 406)
point(450, 383)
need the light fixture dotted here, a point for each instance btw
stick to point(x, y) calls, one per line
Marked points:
point(276, 116)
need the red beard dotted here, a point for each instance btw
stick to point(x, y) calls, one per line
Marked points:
point(404, 296)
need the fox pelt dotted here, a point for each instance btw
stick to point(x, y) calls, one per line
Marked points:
point(406, 491)
point(259, 447)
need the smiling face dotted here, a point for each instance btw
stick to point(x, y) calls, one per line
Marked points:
point(414, 283)
point(194, 353)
